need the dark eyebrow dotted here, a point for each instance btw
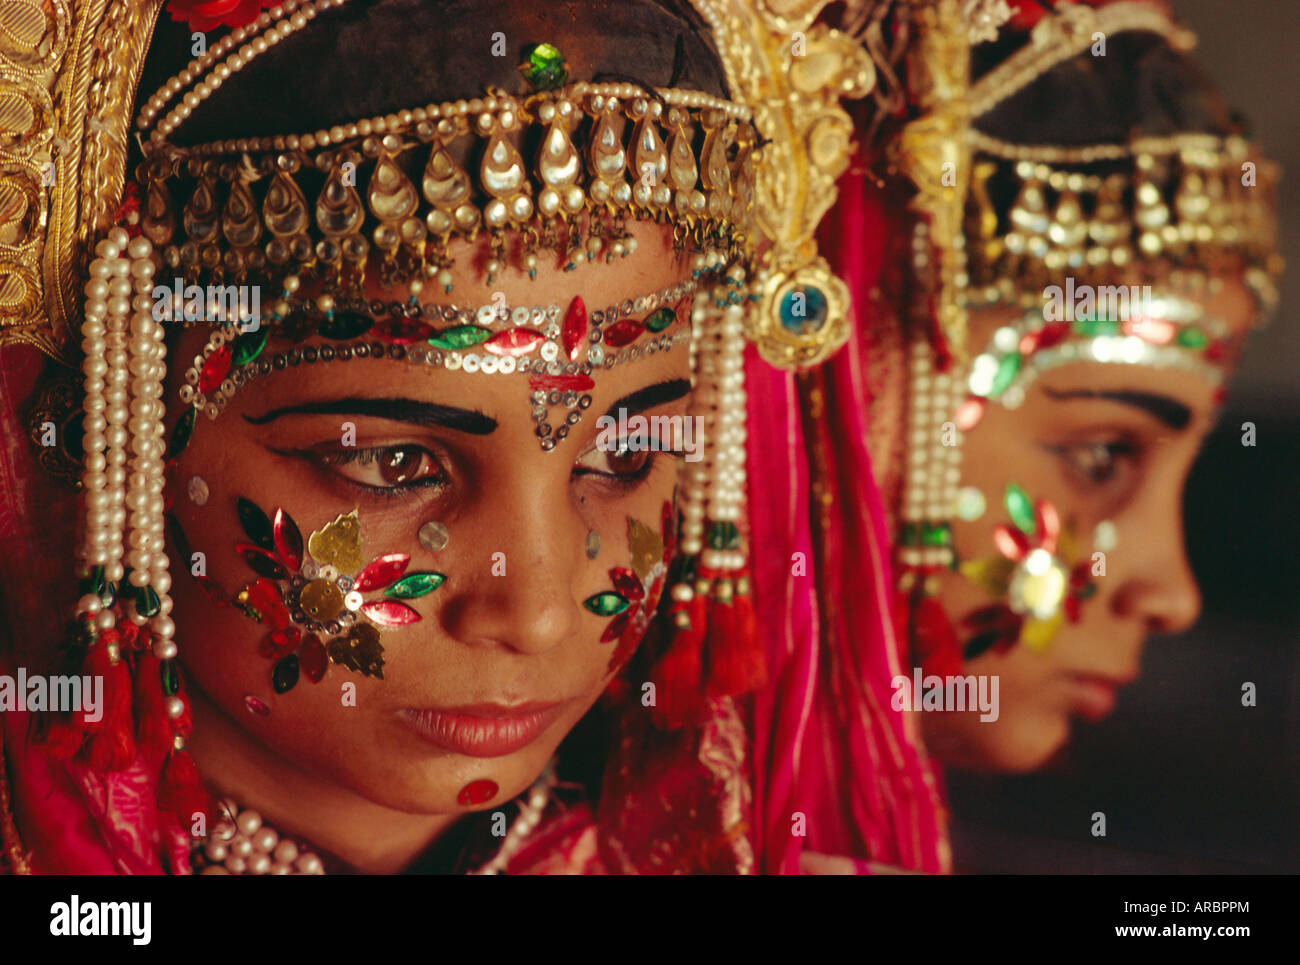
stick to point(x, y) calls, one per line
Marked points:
point(400, 410)
point(1169, 411)
point(651, 395)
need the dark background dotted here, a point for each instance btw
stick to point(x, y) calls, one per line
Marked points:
point(1191, 781)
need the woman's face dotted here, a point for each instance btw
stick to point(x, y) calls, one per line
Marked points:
point(1106, 444)
point(505, 658)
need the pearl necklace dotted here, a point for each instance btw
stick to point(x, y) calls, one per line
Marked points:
point(243, 844)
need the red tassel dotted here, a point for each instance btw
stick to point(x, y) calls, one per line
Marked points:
point(64, 737)
point(112, 745)
point(180, 791)
point(680, 699)
point(153, 728)
point(736, 664)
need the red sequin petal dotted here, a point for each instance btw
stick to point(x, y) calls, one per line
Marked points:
point(390, 613)
point(514, 341)
point(1011, 543)
point(617, 625)
point(574, 328)
point(562, 383)
point(314, 659)
point(382, 572)
point(625, 582)
point(215, 369)
point(624, 333)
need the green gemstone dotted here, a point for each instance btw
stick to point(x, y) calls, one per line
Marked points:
point(1192, 337)
point(936, 534)
point(911, 534)
point(660, 320)
point(606, 604)
point(1087, 591)
point(414, 585)
point(181, 434)
point(460, 337)
point(249, 346)
point(1021, 509)
point(724, 536)
point(171, 678)
point(1092, 327)
point(544, 66)
point(146, 602)
point(1006, 374)
point(284, 675)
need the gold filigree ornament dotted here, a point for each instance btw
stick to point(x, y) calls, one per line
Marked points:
point(794, 72)
point(66, 69)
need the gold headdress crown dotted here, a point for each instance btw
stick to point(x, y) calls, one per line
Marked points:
point(1160, 205)
point(606, 152)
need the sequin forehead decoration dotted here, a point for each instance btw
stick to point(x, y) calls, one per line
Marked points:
point(557, 349)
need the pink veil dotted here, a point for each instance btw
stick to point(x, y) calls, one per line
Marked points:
point(827, 745)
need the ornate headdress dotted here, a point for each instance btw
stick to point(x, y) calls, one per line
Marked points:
point(559, 171)
point(1028, 225)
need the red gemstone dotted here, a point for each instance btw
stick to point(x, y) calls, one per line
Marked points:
point(402, 331)
point(1157, 331)
point(256, 706)
point(390, 613)
point(1072, 609)
point(969, 413)
point(561, 383)
point(1053, 333)
point(288, 539)
point(279, 643)
point(1029, 342)
point(313, 658)
point(382, 572)
point(625, 582)
point(1216, 351)
point(264, 597)
point(215, 369)
point(617, 625)
point(1049, 525)
point(624, 333)
point(514, 341)
point(574, 329)
point(261, 562)
point(1011, 543)
point(477, 792)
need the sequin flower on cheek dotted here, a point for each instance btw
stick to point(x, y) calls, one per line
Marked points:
point(1032, 574)
point(302, 597)
point(639, 586)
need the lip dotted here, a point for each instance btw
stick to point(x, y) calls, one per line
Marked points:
point(1094, 696)
point(485, 729)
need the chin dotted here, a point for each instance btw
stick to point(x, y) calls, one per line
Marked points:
point(1017, 743)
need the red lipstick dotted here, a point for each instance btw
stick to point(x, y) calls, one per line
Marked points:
point(483, 730)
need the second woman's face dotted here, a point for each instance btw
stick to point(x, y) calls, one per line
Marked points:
point(1109, 446)
point(475, 697)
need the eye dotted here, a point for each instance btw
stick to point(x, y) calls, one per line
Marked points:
point(385, 469)
point(630, 461)
point(1100, 462)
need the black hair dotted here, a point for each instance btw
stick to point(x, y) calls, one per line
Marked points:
point(1141, 87)
point(375, 57)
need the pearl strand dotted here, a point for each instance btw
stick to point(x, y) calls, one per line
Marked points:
point(727, 485)
point(105, 342)
point(695, 476)
point(245, 844)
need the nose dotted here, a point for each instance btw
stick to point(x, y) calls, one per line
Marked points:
point(515, 588)
point(1159, 587)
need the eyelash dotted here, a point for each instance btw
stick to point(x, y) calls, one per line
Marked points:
point(345, 457)
point(627, 482)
